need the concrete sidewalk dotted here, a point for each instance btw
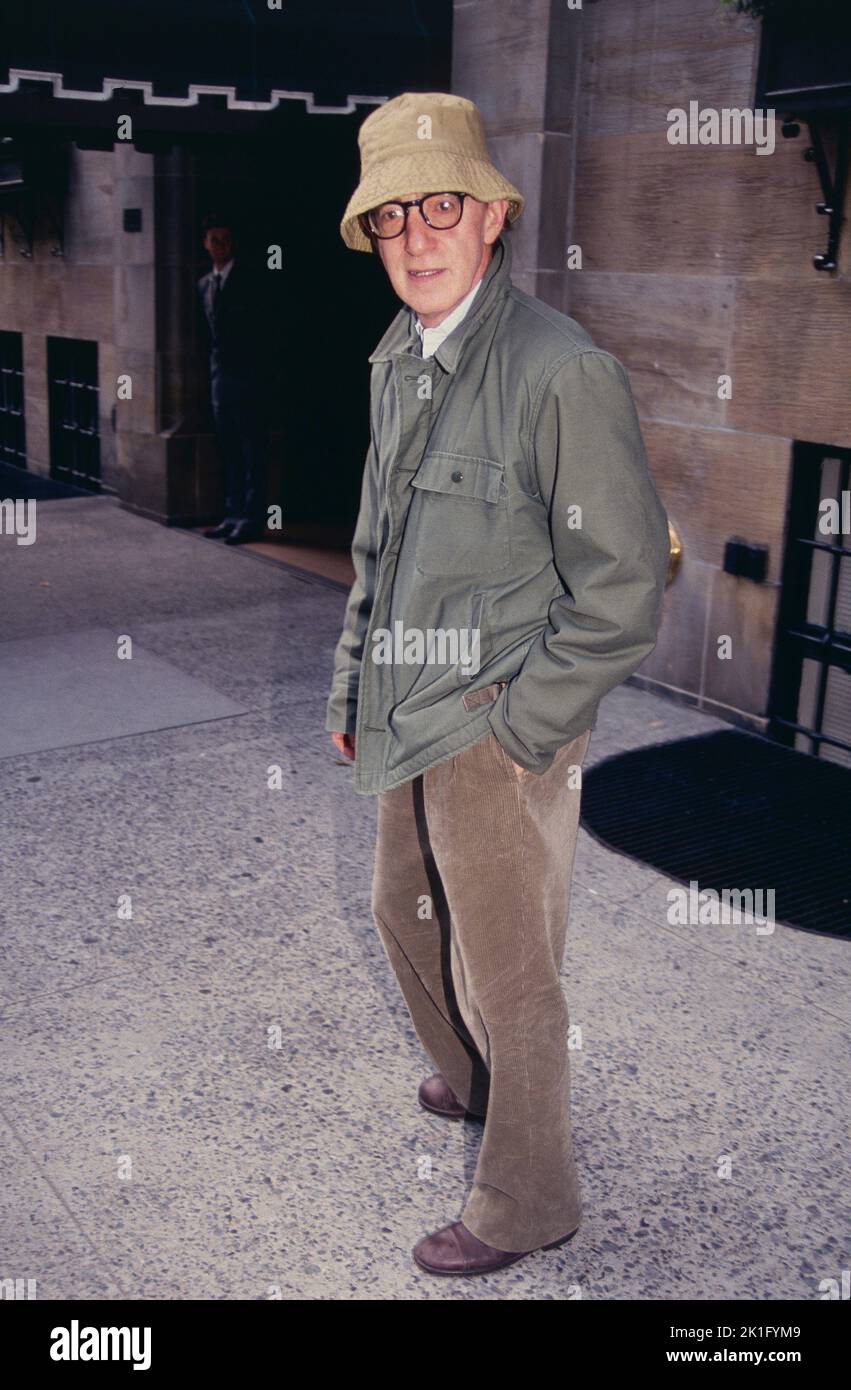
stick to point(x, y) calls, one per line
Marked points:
point(216, 1097)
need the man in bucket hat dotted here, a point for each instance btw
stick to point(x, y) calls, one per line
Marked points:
point(506, 498)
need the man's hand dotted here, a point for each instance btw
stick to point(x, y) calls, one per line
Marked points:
point(345, 744)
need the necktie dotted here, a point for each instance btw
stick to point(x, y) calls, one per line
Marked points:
point(217, 290)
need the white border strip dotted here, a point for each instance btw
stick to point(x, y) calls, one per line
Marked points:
point(196, 90)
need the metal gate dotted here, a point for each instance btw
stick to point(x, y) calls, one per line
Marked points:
point(12, 432)
point(810, 698)
point(72, 371)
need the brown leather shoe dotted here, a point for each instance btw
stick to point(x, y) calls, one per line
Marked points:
point(455, 1250)
point(436, 1095)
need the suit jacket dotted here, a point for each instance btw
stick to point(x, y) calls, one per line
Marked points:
point(239, 332)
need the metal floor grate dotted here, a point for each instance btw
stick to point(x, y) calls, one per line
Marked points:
point(733, 810)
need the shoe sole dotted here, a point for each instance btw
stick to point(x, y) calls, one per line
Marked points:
point(521, 1254)
point(451, 1114)
point(444, 1114)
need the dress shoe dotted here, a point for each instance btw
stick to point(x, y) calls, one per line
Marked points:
point(455, 1250)
point(436, 1095)
point(217, 533)
point(244, 531)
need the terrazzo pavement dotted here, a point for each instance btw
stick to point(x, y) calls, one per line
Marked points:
point(216, 1097)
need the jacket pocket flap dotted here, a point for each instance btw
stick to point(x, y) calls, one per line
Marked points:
point(458, 474)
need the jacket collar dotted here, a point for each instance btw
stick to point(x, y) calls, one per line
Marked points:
point(402, 336)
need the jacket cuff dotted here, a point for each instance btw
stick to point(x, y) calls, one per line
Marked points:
point(341, 718)
point(516, 750)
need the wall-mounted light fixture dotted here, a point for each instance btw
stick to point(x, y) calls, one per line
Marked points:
point(676, 553)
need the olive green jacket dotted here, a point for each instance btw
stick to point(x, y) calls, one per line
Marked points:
point(506, 492)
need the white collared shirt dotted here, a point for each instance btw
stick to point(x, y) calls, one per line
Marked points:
point(431, 338)
point(224, 272)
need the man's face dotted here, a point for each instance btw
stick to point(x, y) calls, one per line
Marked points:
point(219, 245)
point(432, 271)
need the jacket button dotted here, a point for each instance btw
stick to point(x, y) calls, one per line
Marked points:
point(457, 476)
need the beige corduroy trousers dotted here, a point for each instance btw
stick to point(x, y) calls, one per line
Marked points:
point(470, 897)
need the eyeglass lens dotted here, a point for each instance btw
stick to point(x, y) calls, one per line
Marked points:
point(440, 210)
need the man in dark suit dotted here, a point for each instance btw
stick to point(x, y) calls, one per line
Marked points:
point(232, 299)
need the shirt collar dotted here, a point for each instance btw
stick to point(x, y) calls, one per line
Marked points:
point(225, 271)
point(401, 336)
point(432, 338)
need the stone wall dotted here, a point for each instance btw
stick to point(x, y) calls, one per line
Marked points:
point(696, 263)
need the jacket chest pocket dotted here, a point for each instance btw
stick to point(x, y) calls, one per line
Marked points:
point(460, 515)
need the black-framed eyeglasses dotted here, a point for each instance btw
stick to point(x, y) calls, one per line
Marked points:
point(440, 211)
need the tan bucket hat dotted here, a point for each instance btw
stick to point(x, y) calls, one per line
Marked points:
point(432, 142)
